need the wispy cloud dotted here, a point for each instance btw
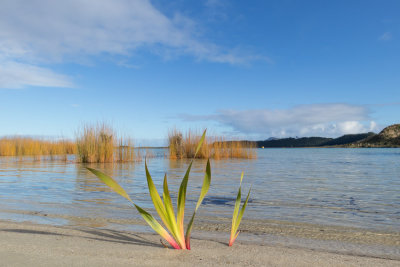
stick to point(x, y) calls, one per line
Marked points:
point(387, 36)
point(216, 9)
point(18, 75)
point(303, 120)
point(45, 31)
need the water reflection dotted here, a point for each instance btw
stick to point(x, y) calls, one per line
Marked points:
point(87, 182)
point(328, 186)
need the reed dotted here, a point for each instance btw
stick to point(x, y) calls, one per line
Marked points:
point(27, 146)
point(125, 151)
point(99, 143)
point(175, 144)
point(183, 146)
point(222, 149)
point(95, 143)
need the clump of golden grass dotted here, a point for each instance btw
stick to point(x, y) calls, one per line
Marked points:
point(27, 146)
point(175, 144)
point(233, 149)
point(99, 144)
point(125, 151)
point(95, 143)
point(183, 146)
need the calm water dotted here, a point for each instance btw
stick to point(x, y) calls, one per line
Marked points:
point(347, 187)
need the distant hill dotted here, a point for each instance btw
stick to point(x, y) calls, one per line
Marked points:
point(348, 139)
point(315, 141)
point(294, 142)
point(388, 137)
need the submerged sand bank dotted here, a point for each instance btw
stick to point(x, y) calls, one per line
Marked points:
point(26, 244)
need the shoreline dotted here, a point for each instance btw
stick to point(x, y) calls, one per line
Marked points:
point(23, 243)
point(328, 238)
point(360, 235)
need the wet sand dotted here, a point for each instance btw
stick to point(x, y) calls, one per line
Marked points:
point(28, 244)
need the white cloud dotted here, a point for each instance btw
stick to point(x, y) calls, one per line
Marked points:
point(46, 31)
point(373, 126)
point(55, 29)
point(387, 36)
point(303, 120)
point(18, 75)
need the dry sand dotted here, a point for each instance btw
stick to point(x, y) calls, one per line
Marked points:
point(27, 244)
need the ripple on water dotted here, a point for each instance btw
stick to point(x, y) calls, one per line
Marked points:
point(344, 187)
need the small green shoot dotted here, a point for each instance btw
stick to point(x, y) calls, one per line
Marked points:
point(237, 216)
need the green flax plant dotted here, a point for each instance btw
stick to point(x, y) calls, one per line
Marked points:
point(174, 234)
point(237, 215)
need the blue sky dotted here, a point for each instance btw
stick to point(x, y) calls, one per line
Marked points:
point(252, 69)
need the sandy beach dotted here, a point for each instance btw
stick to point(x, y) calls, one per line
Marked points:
point(27, 244)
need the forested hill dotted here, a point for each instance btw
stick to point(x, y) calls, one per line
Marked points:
point(294, 142)
point(314, 141)
point(348, 139)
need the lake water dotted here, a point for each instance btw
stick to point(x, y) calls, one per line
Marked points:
point(335, 186)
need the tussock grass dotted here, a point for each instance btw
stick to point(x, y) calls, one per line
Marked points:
point(125, 151)
point(184, 146)
point(96, 143)
point(99, 143)
point(27, 146)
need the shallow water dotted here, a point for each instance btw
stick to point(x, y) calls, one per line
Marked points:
point(325, 186)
